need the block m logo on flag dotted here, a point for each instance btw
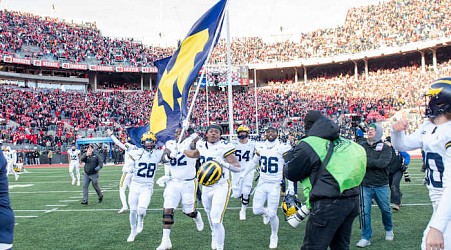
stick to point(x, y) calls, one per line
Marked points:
point(177, 73)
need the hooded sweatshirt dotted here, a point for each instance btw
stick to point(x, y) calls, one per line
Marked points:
point(306, 163)
point(379, 156)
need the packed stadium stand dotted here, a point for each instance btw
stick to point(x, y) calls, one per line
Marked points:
point(51, 117)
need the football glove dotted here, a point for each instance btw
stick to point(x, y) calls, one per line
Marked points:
point(406, 176)
point(185, 124)
point(174, 152)
point(404, 168)
point(162, 180)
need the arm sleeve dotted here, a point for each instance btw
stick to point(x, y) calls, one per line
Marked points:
point(380, 160)
point(83, 158)
point(118, 143)
point(252, 165)
point(100, 162)
point(406, 157)
point(401, 142)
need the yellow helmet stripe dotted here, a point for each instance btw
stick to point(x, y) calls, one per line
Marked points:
point(203, 173)
point(432, 92)
point(443, 81)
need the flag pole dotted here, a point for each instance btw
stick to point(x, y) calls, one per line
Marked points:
point(229, 76)
point(256, 102)
point(201, 76)
point(206, 97)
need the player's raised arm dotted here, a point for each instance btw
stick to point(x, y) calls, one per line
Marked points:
point(115, 140)
point(192, 153)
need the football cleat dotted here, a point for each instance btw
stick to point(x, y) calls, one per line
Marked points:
point(131, 237)
point(273, 241)
point(122, 210)
point(165, 245)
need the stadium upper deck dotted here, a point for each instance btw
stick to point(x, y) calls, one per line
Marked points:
point(391, 23)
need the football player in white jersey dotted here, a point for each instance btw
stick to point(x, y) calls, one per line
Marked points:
point(144, 164)
point(216, 196)
point(434, 138)
point(181, 185)
point(73, 156)
point(11, 159)
point(244, 152)
point(269, 155)
point(126, 177)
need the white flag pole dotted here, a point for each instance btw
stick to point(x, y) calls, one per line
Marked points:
point(229, 77)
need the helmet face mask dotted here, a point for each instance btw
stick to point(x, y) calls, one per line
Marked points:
point(148, 141)
point(290, 205)
point(243, 131)
point(439, 95)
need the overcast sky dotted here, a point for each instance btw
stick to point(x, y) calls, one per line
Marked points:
point(146, 19)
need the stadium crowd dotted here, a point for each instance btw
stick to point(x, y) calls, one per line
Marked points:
point(365, 28)
point(53, 117)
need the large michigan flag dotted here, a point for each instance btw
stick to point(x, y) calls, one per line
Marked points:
point(177, 73)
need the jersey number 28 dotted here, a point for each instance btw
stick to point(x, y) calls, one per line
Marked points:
point(146, 169)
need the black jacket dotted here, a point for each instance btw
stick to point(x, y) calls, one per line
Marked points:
point(378, 163)
point(395, 162)
point(91, 162)
point(306, 164)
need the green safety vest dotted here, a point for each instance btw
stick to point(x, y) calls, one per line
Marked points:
point(347, 164)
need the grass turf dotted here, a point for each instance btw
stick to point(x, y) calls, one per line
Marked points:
point(49, 216)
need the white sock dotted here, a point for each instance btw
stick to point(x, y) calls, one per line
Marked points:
point(166, 233)
point(219, 233)
point(122, 196)
point(243, 207)
point(133, 220)
point(141, 215)
point(274, 225)
point(72, 176)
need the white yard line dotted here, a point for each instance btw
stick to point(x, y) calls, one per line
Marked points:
point(51, 210)
point(160, 209)
point(68, 200)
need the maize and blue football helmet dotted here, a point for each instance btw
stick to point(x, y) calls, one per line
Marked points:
point(439, 95)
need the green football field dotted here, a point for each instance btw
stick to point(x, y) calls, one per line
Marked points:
point(49, 216)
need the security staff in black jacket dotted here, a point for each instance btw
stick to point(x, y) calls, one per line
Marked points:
point(93, 163)
point(332, 190)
